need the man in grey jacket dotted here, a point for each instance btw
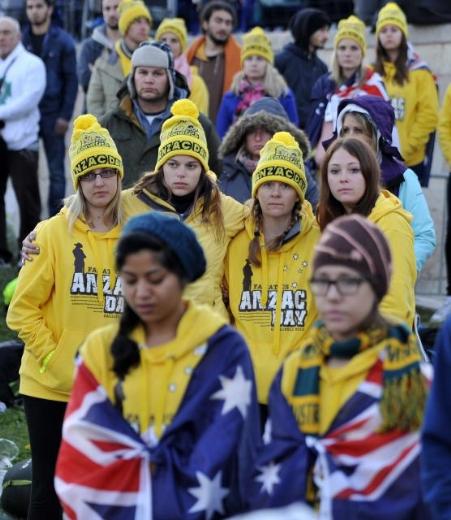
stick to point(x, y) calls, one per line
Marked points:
point(103, 37)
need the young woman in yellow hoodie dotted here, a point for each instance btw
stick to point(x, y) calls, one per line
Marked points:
point(69, 289)
point(410, 86)
point(169, 392)
point(269, 263)
point(350, 183)
point(346, 408)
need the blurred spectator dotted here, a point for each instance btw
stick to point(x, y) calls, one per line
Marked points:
point(216, 53)
point(172, 31)
point(240, 149)
point(298, 62)
point(103, 37)
point(258, 78)
point(113, 66)
point(145, 103)
point(19, 118)
point(57, 50)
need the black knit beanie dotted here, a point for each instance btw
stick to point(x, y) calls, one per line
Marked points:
point(305, 22)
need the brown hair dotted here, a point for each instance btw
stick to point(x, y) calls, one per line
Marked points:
point(254, 254)
point(206, 189)
point(329, 208)
point(365, 122)
point(402, 69)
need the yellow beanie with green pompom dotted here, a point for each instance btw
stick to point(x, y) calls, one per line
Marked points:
point(352, 28)
point(257, 43)
point(281, 160)
point(392, 14)
point(182, 134)
point(176, 26)
point(131, 10)
point(92, 147)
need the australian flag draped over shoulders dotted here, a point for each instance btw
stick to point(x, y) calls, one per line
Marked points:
point(196, 470)
point(359, 472)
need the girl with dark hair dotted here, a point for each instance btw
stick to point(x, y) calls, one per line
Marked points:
point(350, 177)
point(183, 185)
point(169, 392)
point(269, 262)
point(346, 408)
point(68, 290)
point(372, 119)
point(411, 88)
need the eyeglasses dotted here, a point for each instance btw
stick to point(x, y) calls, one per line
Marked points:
point(104, 174)
point(345, 286)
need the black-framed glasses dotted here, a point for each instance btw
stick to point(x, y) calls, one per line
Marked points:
point(345, 285)
point(104, 174)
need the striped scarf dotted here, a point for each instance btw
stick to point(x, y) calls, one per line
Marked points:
point(404, 389)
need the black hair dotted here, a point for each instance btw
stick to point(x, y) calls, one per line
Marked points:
point(218, 5)
point(124, 350)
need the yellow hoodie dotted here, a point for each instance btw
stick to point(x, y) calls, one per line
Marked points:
point(153, 391)
point(57, 302)
point(395, 222)
point(276, 292)
point(444, 126)
point(206, 290)
point(416, 110)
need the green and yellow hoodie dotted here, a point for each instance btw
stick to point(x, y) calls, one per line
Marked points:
point(206, 290)
point(64, 293)
point(395, 222)
point(163, 373)
point(277, 292)
point(416, 110)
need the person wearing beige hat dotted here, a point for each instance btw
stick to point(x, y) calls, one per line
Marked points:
point(257, 78)
point(268, 263)
point(411, 87)
point(65, 292)
point(110, 69)
point(349, 78)
point(172, 31)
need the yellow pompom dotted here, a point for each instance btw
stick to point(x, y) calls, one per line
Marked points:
point(86, 121)
point(185, 107)
point(284, 138)
point(124, 5)
point(257, 31)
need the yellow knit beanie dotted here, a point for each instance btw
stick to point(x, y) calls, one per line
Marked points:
point(352, 28)
point(392, 14)
point(281, 160)
point(129, 11)
point(176, 26)
point(182, 134)
point(256, 43)
point(91, 147)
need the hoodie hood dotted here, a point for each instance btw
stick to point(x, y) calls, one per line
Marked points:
point(99, 36)
point(381, 114)
point(388, 203)
point(272, 123)
point(305, 22)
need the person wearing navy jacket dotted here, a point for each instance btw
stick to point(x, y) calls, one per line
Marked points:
point(57, 50)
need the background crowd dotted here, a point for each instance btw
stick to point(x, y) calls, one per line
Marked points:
point(302, 222)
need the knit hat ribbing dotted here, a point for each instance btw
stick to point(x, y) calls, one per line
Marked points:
point(182, 134)
point(92, 147)
point(355, 242)
point(177, 236)
point(353, 28)
point(176, 26)
point(257, 43)
point(392, 14)
point(281, 160)
point(129, 11)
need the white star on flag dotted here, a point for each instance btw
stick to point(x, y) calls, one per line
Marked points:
point(268, 477)
point(209, 494)
point(235, 392)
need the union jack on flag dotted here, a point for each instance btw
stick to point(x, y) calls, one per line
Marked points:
point(359, 472)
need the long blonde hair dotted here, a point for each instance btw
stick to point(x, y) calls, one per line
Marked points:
point(337, 72)
point(273, 82)
point(77, 207)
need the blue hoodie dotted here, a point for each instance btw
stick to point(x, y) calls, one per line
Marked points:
point(396, 176)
